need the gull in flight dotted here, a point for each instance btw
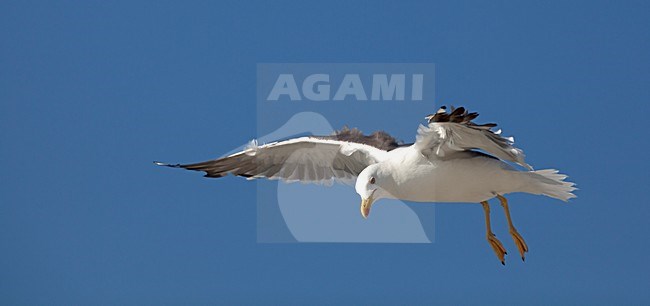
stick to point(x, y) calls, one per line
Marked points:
point(453, 160)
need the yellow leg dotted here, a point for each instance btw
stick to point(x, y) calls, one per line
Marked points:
point(496, 245)
point(519, 241)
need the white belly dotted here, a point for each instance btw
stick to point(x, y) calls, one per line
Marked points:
point(467, 179)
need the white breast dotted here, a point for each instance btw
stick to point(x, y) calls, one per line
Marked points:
point(465, 177)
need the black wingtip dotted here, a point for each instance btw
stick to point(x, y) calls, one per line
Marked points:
point(157, 163)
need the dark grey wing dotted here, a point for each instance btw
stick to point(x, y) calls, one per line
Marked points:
point(378, 139)
point(455, 131)
point(304, 159)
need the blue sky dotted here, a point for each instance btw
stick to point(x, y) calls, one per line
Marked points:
point(92, 92)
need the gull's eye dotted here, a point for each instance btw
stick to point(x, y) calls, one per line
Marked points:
point(372, 180)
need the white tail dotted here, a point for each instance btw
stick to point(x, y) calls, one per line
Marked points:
point(550, 183)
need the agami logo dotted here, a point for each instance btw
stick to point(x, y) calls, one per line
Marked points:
point(297, 99)
point(350, 82)
point(317, 87)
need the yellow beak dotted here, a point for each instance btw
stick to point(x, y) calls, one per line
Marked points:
point(365, 207)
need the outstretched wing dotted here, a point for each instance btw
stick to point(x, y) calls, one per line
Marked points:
point(304, 159)
point(455, 131)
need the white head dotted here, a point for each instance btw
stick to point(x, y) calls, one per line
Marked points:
point(370, 186)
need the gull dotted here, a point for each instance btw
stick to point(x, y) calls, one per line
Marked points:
point(453, 160)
